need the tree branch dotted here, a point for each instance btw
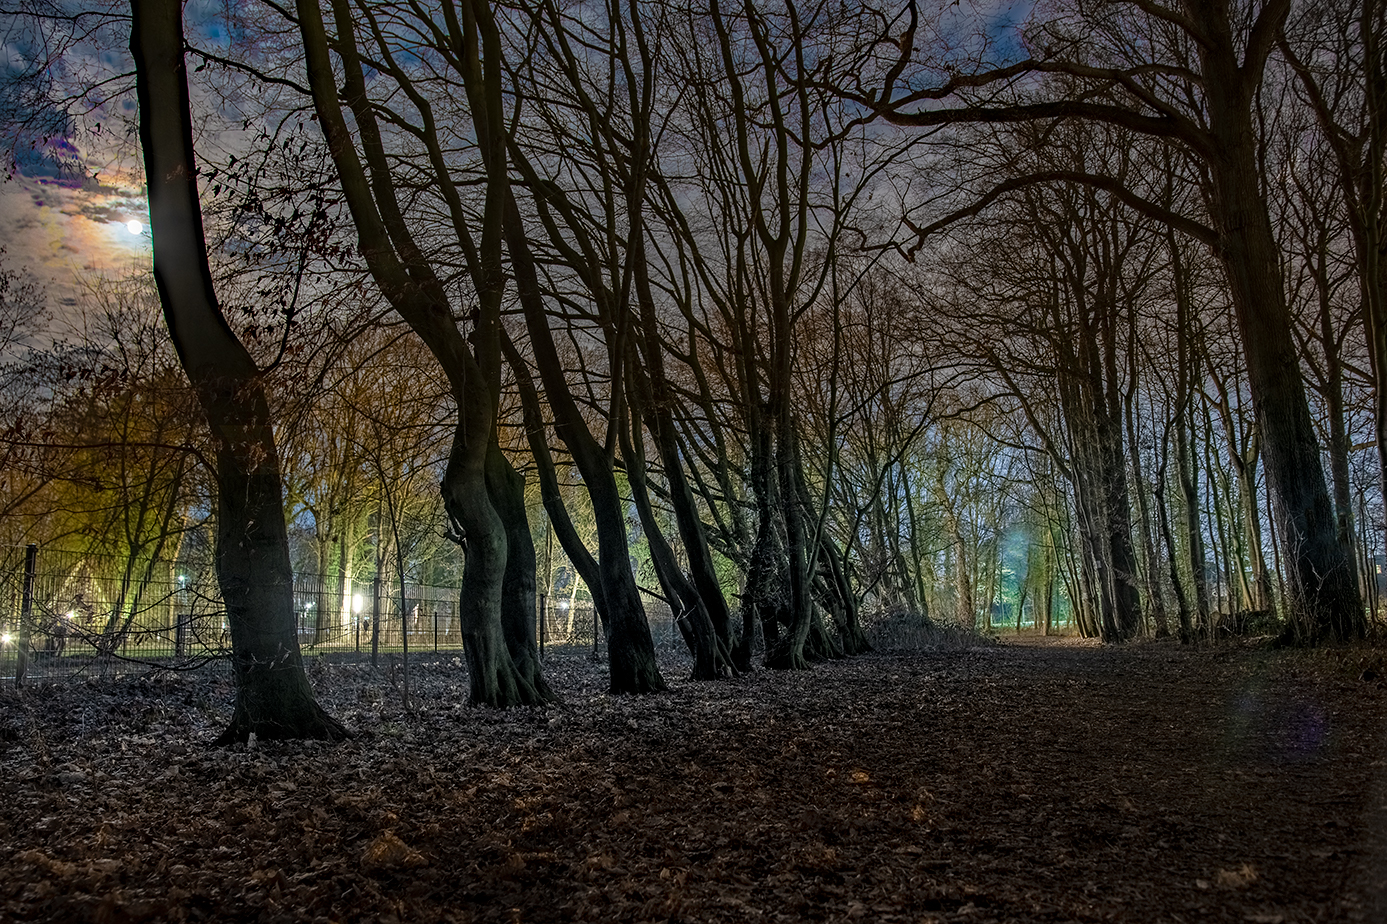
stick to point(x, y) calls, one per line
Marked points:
point(1189, 226)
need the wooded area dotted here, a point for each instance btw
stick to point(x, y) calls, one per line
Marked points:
point(794, 317)
point(771, 336)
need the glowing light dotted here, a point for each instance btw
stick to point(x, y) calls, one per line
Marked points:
point(71, 614)
point(5, 639)
point(357, 603)
point(134, 227)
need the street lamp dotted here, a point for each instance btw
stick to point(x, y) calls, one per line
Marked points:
point(181, 619)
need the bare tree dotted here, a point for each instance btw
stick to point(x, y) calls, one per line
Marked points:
point(273, 697)
point(479, 486)
point(1338, 52)
point(1186, 74)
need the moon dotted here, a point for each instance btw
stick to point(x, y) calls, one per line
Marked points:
point(134, 227)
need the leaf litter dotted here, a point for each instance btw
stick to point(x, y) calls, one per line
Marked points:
point(1032, 783)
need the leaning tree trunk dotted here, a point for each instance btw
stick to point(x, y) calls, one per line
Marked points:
point(1323, 597)
point(1117, 506)
point(1151, 566)
point(712, 658)
point(273, 696)
point(630, 646)
point(1182, 603)
point(550, 495)
point(832, 584)
point(408, 280)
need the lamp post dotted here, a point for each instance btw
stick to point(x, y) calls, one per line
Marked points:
point(181, 619)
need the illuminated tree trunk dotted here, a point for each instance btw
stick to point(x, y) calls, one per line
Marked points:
point(507, 490)
point(630, 646)
point(273, 697)
point(407, 279)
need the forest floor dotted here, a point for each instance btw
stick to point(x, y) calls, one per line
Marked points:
point(1015, 782)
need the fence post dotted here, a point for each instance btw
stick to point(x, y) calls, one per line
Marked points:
point(26, 613)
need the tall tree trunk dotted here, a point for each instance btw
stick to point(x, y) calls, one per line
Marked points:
point(658, 415)
point(919, 590)
point(1361, 152)
point(536, 435)
point(1151, 570)
point(1185, 468)
point(273, 696)
point(404, 275)
point(711, 657)
point(1323, 590)
point(506, 487)
point(1182, 601)
point(630, 646)
point(1340, 445)
point(1117, 502)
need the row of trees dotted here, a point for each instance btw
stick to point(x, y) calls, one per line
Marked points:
point(824, 303)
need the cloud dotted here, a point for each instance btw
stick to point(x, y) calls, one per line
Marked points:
point(62, 233)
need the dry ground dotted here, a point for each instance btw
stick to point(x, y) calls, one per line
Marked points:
point(1031, 783)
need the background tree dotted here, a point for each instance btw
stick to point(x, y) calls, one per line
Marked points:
point(1187, 74)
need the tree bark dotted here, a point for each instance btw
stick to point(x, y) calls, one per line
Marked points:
point(1324, 599)
point(506, 487)
point(630, 647)
point(273, 696)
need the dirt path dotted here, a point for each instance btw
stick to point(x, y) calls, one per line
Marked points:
point(1032, 783)
point(1366, 898)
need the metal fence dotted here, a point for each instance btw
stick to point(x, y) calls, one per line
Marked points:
point(64, 614)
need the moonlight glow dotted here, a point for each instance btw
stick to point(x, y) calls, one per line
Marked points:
point(134, 227)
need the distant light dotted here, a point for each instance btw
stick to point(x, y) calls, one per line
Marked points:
point(357, 603)
point(71, 614)
point(134, 227)
point(5, 639)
